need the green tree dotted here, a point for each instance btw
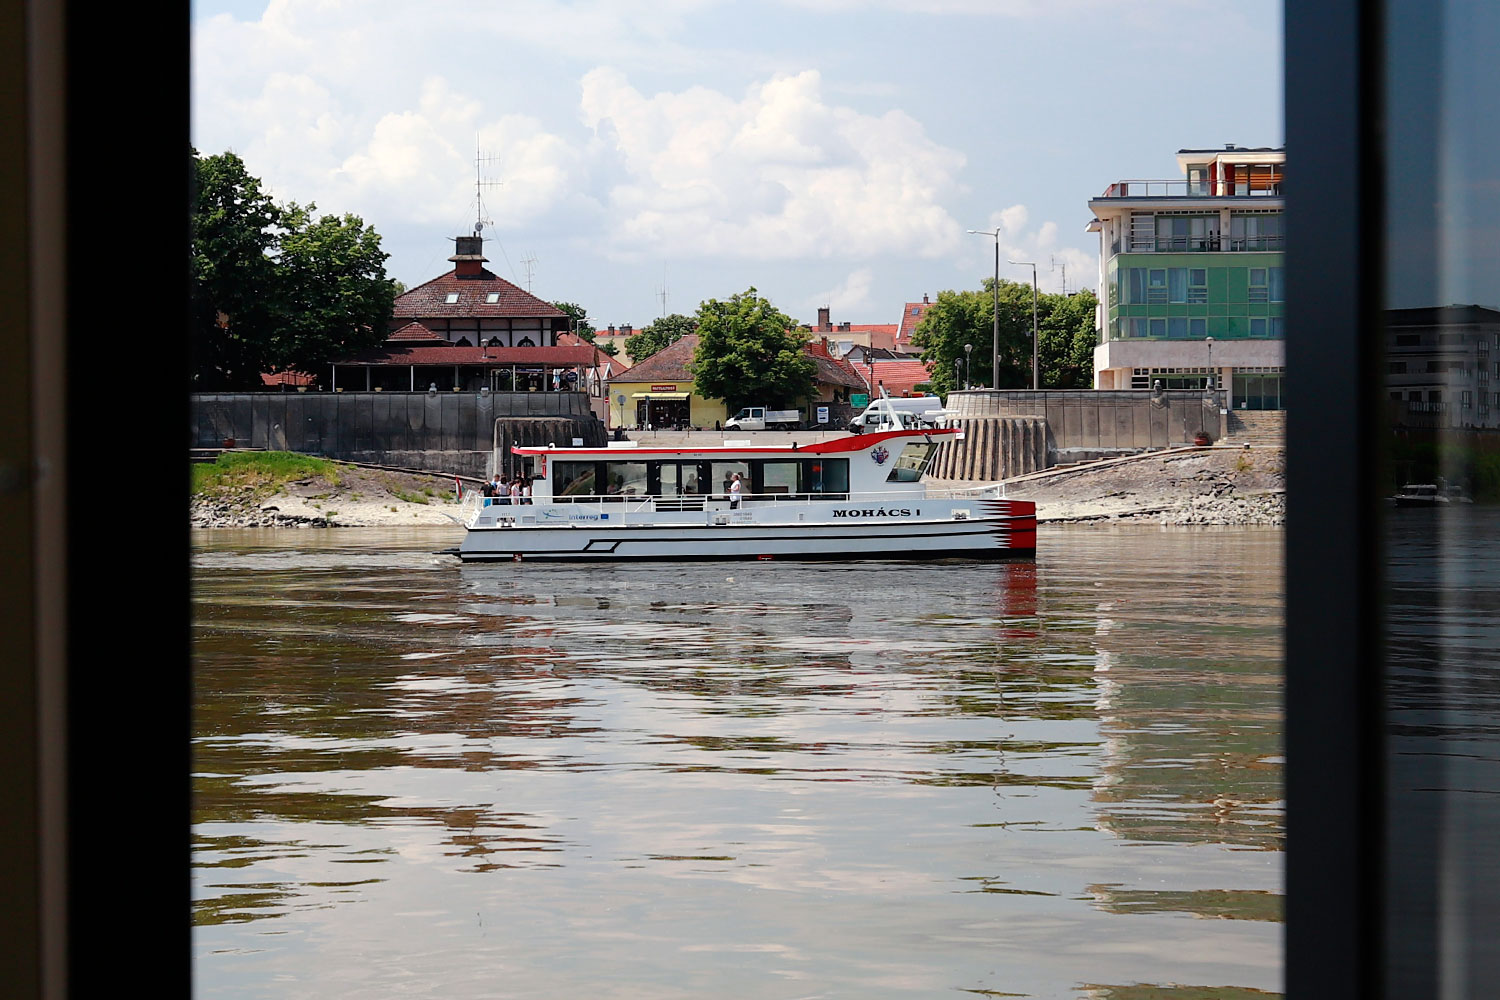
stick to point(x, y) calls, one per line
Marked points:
point(750, 354)
point(233, 274)
point(274, 287)
point(1068, 335)
point(578, 320)
point(658, 334)
point(335, 298)
point(1065, 325)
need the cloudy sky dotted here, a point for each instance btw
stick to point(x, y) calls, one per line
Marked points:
point(827, 152)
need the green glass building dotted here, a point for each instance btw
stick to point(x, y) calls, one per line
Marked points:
point(1192, 282)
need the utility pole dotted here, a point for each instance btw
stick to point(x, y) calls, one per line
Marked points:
point(995, 361)
point(1036, 381)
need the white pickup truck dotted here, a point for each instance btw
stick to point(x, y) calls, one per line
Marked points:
point(758, 418)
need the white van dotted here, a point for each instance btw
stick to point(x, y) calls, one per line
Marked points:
point(899, 413)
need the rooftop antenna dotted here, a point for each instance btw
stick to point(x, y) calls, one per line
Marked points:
point(1064, 266)
point(529, 262)
point(661, 292)
point(481, 218)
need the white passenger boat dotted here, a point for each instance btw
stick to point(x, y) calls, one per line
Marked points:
point(859, 497)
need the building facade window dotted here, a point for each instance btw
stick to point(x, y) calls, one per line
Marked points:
point(1255, 231)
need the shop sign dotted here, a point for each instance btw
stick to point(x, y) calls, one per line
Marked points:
point(663, 388)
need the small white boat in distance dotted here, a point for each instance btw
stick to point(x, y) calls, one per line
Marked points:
point(859, 497)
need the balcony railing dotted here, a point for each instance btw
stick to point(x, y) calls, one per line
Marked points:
point(1258, 187)
point(1196, 244)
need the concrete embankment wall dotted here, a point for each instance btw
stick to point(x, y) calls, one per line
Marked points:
point(1013, 432)
point(993, 448)
point(438, 432)
point(1121, 419)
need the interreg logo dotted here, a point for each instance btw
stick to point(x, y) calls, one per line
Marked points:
point(572, 515)
point(879, 454)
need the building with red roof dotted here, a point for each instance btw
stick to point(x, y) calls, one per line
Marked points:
point(471, 330)
point(911, 315)
point(842, 337)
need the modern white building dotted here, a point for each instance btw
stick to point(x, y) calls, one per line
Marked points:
point(1443, 366)
point(1191, 278)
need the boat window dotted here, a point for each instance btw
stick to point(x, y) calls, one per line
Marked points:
point(625, 478)
point(668, 479)
point(911, 463)
point(828, 475)
point(573, 479)
point(719, 481)
point(779, 477)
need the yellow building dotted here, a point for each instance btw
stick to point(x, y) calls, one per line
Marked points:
point(658, 392)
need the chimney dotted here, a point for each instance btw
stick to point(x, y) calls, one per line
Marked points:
point(844, 326)
point(468, 256)
point(625, 329)
point(924, 299)
point(611, 329)
point(823, 323)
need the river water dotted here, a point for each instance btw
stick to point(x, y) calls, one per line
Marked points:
point(739, 780)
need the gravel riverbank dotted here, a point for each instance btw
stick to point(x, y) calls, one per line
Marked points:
point(1218, 485)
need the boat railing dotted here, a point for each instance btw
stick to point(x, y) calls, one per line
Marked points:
point(469, 504)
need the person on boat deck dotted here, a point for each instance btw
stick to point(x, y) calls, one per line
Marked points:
point(492, 488)
point(526, 491)
point(503, 491)
point(735, 491)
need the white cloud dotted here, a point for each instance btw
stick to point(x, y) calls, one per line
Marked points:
point(777, 173)
point(850, 297)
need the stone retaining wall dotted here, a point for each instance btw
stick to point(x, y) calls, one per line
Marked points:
point(439, 432)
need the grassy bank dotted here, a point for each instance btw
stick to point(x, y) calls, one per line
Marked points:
point(262, 473)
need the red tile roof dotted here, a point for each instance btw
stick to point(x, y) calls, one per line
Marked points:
point(429, 300)
point(911, 315)
point(670, 364)
point(901, 377)
point(413, 331)
point(831, 370)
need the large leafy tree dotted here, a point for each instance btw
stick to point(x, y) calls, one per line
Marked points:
point(1066, 335)
point(276, 287)
point(750, 354)
point(658, 334)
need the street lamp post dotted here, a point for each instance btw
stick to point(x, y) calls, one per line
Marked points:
point(968, 366)
point(1036, 368)
point(995, 359)
point(1213, 383)
point(958, 366)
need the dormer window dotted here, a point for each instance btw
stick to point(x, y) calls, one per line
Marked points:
point(526, 342)
point(492, 298)
point(451, 298)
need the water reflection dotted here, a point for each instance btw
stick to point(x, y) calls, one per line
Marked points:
point(876, 779)
point(1443, 732)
